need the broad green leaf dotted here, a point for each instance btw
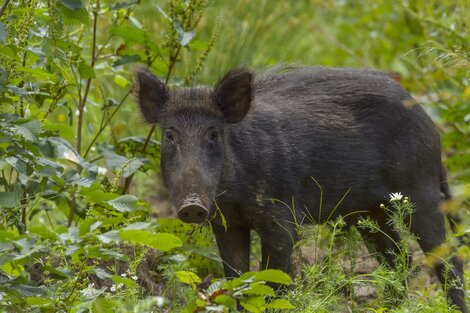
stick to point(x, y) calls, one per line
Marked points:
point(61, 273)
point(280, 304)
point(43, 232)
point(258, 290)
point(189, 278)
point(37, 301)
point(110, 236)
point(85, 70)
point(12, 269)
point(125, 59)
point(74, 17)
point(92, 194)
point(29, 291)
point(160, 241)
point(101, 305)
point(116, 162)
point(254, 304)
point(73, 4)
point(274, 276)
point(36, 71)
point(29, 130)
point(226, 301)
point(62, 149)
point(101, 273)
point(124, 203)
point(129, 34)
point(10, 199)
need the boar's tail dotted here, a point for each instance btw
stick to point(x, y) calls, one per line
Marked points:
point(453, 218)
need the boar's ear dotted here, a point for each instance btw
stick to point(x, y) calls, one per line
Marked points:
point(233, 94)
point(152, 95)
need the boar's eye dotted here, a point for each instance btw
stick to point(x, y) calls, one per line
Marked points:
point(170, 137)
point(213, 137)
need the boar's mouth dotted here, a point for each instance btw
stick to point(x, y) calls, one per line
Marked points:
point(193, 209)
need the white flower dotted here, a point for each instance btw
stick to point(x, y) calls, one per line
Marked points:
point(397, 196)
point(102, 170)
point(123, 275)
point(134, 277)
point(113, 288)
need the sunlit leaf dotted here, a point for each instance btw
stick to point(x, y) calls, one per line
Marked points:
point(273, 276)
point(124, 203)
point(189, 278)
point(160, 241)
point(280, 304)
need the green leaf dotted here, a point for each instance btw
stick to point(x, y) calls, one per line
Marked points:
point(125, 203)
point(129, 34)
point(116, 162)
point(125, 59)
point(10, 199)
point(273, 276)
point(73, 4)
point(74, 17)
point(101, 305)
point(43, 232)
point(29, 130)
point(61, 149)
point(36, 71)
point(110, 236)
point(280, 304)
point(227, 301)
point(254, 304)
point(3, 32)
point(36, 301)
point(85, 70)
point(258, 290)
point(189, 278)
point(160, 241)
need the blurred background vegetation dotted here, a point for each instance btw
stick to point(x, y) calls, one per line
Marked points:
point(76, 156)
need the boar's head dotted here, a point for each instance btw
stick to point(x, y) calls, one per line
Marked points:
point(193, 149)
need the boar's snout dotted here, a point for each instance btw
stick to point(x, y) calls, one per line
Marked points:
point(193, 210)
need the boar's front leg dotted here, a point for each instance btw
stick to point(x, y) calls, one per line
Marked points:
point(234, 248)
point(277, 241)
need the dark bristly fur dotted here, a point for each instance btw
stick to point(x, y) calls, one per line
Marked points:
point(274, 135)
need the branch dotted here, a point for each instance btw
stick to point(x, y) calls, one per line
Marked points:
point(4, 6)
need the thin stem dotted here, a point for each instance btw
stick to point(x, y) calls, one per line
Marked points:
point(102, 127)
point(4, 6)
point(81, 107)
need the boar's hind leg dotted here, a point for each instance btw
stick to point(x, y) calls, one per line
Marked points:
point(429, 227)
point(234, 248)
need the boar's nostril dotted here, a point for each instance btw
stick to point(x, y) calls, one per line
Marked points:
point(193, 213)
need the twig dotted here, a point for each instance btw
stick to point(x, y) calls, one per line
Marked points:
point(107, 122)
point(4, 6)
